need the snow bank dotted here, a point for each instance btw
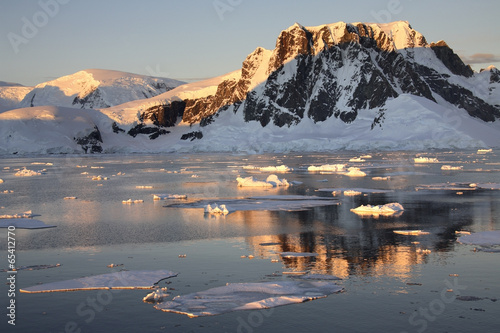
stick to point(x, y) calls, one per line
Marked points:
point(216, 210)
point(248, 296)
point(117, 280)
point(326, 167)
point(271, 181)
point(485, 238)
point(24, 223)
point(387, 209)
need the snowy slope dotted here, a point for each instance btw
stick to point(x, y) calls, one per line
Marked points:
point(97, 88)
point(11, 94)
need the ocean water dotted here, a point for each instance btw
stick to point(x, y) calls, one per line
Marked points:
point(392, 282)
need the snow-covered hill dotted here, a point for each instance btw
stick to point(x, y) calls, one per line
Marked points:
point(334, 86)
point(97, 88)
point(11, 94)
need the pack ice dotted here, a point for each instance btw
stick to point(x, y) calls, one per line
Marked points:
point(117, 280)
point(248, 296)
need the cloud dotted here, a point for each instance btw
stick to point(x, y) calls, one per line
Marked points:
point(481, 58)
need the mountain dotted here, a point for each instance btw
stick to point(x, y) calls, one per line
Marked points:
point(11, 94)
point(334, 86)
point(97, 88)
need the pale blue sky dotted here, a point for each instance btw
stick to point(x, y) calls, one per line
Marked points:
point(198, 39)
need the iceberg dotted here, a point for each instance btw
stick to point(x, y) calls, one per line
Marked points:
point(387, 209)
point(216, 210)
point(326, 167)
point(484, 238)
point(24, 223)
point(425, 160)
point(117, 280)
point(248, 296)
point(156, 296)
point(355, 172)
point(169, 196)
point(271, 181)
point(28, 173)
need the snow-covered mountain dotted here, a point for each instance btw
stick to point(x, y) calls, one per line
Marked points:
point(97, 88)
point(11, 94)
point(334, 86)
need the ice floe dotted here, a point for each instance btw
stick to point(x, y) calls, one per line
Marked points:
point(24, 223)
point(98, 178)
point(387, 209)
point(156, 296)
point(1, 181)
point(327, 167)
point(248, 296)
point(355, 172)
point(130, 201)
point(381, 178)
point(337, 191)
point(357, 159)
point(352, 193)
point(216, 209)
point(144, 186)
point(484, 151)
point(28, 173)
point(70, 198)
point(169, 196)
point(271, 181)
point(484, 238)
point(411, 232)
point(279, 168)
point(446, 167)
point(27, 214)
point(117, 280)
point(425, 160)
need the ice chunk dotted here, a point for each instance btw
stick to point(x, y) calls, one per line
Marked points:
point(381, 178)
point(280, 168)
point(24, 223)
point(1, 181)
point(411, 232)
point(484, 238)
point(169, 196)
point(326, 167)
point(248, 296)
point(70, 198)
point(447, 187)
point(352, 193)
point(117, 280)
point(99, 178)
point(130, 201)
point(156, 296)
point(216, 210)
point(484, 151)
point(27, 215)
point(357, 189)
point(355, 172)
point(387, 209)
point(144, 186)
point(297, 254)
point(357, 159)
point(28, 173)
point(271, 181)
point(425, 160)
point(449, 167)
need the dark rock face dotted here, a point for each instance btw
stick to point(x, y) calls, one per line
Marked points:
point(192, 136)
point(91, 143)
point(91, 100)
point(450, 59)
point(165, 115)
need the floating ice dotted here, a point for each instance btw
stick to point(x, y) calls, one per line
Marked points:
point(357, 159)
point(326, 167)
point(365, 156)
point(99, 178)
point(70, 198)
point(156, 296)
point(425, 160)
point(387, 209)
point(169, 196)
point(271, 181)
point(488, 186)
point(355, 172)
point(216, 210)
point(357, 189)
point(484, 238)
point(130, 201)
point(24, 223)
point(144, 186)
point(447, 187)
point(411, 232)
point(352, 193)
point(28, 173)
point(1, 181)
point(484, 151)
point(248, 296)
point(27, 214)
point(117, 280)
point(297, 254)
point(381, 178)
point(449, 167)
point(280, 168)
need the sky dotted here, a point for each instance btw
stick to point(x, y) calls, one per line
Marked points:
point(189, 40)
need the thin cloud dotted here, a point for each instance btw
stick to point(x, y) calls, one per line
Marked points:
point(481, 58)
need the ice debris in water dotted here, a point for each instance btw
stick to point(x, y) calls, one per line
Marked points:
point(484, 151)
point(326, 167)
point(271, 181)
point(28, 173)
point(216, 210)
point(130, 201)
point(484, 238)
point(450, 167)
point(357, 159)
point(351, 193)
point(425, 160)
point(387, 209)
point(70, 198)
point(27, 214)
point(411, 232)
point(168, 196)
point(248, 296)
point(355, 172)
point(280, 168)
point(99, 178)
point(298, 254)
point(1, 181)
point(117, 280)
point(24, 223)
point(156, 296)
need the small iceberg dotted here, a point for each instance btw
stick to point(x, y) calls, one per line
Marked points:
point(248, 296)
point(216, 210)
point(279, 168)
point(326, 167)
point(425, 160)
point(26, 215)
point(446, 167)
point(117, 280)
point(271, 181)
point(169, 196)
point(130, 201)
point(156, 296)
point(484, 238)
point(387, 209)
point(355, 172)
point(28, 173)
